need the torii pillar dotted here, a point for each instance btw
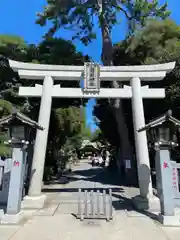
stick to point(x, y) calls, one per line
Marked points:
point(34, 198)
point(146, 199)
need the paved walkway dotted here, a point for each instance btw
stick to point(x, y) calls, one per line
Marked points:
point(56, 222)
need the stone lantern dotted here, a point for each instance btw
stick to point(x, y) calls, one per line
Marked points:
point(163, 130)
point(162, 133)
point(19, 127)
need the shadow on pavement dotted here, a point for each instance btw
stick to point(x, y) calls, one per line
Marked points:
point(110, 179)
point(101, 175)
point(97, 174)
point(123, 203)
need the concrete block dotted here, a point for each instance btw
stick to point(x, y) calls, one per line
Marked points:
point(151, 204)
point(1, 214)
point(12, 218)
point(36, 202)
point(171, 221)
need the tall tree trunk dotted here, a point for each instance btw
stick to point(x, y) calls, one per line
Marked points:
point(126, 151)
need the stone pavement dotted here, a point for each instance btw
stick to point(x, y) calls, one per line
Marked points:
point(56, 222)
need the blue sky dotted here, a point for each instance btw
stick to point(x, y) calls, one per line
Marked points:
point(18, 18)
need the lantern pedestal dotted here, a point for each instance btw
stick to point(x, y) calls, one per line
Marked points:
point(12, 218)
point(169, 221)
point(13, 213)
point(33, 202)
point(19, 128)
point(16, 179)
point(163, 132)
point(164, 184)
point(151, 204)
point(1, 214)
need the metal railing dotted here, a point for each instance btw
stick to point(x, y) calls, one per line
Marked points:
point(95, 204)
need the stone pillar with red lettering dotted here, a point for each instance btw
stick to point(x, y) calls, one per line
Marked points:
point(164, 183)
point(16, 181)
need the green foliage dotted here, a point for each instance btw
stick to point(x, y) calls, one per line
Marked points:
point(71, 128)
point(66, 119)
point(12, 46)
point(4, 149)
point(59, 51)
point(79, 16)
point(99, 137)
point(51, 51)
point(65, 133)
point(86, 132)
point(5, 108)
point(107, 123)
point(141, 10)
point(69, 120)
point(158, 42)
point(13, 40)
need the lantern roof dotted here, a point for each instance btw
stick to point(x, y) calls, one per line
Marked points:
point(20, 117)
point(166, 118)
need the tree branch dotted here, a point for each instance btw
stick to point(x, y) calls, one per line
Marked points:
point(117, 3)
point(125, 13)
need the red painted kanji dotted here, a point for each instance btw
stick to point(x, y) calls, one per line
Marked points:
point(16, 163)
point(166, 165)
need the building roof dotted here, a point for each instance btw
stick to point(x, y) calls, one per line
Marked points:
point(88, 144)
point(167, 117)
point(25, 120)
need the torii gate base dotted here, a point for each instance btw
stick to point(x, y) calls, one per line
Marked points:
point(132, 74)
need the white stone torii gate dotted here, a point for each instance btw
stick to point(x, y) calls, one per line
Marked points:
point(49, 73)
